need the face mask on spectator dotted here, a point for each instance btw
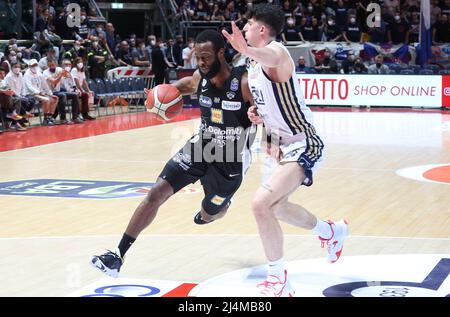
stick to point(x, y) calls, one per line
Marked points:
point(80, 65)
point(16, 70)
point(95, 44)
point(99, 30)
point(352, 20)
point(13, 59)
point(153, 42)
point(67, 68)
point(330, 22)
point(397, 18)
point(290, 22)
point(76, 47)
point(33, 69)
point(19, 55)
point(82, 18)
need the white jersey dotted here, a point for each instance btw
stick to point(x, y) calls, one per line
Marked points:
point(281, 105)
point(285, 114)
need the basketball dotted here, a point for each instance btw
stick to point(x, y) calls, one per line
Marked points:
point(164, 100)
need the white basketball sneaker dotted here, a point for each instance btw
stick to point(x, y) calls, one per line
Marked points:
point(273, 286)
point(335, 244)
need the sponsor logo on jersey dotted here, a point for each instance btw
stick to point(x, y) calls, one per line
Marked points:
point(205, 101)
point(217, 200)
point(217, 116)
point(234, 86)
point(216, 99)
point(204, 82)
point(231, 105)
point(231, 95)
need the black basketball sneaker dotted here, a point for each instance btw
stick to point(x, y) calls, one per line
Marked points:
point(109, 262)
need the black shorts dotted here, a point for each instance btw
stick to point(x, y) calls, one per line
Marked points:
point(220, 180)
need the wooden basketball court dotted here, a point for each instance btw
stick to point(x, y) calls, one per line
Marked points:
point(46, 241)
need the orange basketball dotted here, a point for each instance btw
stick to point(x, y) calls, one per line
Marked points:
point(164, 100)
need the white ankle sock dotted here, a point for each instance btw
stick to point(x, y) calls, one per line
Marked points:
point(323, 229)
point(276, 268)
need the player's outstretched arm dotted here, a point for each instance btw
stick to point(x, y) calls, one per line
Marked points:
point(188, 85)
point(270, 56)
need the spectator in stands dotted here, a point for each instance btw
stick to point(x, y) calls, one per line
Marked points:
point(395, 4)
point(9, 104)
point(291, 32)
point(435, 11)
point(301, 66)
point(60, 23)
point(378, 67)
point(35, 86)
point(441, 30)
point(50, 54)
point(352, 32)
point(151, 43)
point(140, 55)
point(327, 64)
point(8, 60)
point(14, 80)
point(98, 31)
point(83, 30)
point(414, 30)
point(123, 54)
point(42, 21)
point(398, 31)
point(111, 37)
point(359, 67)
point(79, 75)
point(190, 62)
point(178, 50)
point(97, 57)
point(74, 52)
point(159, 62)
point(310, 31)
point(331, 31)
point(217, 13)
point(347, 64)
point(54, 76)
point(170, 54)
point(202, 12)
point(377, 35)
point(231, 13)
point(341, 15)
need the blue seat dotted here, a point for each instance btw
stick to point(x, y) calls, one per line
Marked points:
point(415, 68)
point(426, 72)
point(406, 72)
point(434, 68)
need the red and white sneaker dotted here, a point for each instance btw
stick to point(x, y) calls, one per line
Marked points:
point(335, 244)
point(275, 287)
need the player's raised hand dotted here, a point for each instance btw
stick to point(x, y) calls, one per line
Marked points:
point(236, 39)
point(253, 115)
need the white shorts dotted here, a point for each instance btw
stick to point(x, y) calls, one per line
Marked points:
point(310, 160)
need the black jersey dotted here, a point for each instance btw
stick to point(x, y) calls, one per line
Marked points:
point(223, 110)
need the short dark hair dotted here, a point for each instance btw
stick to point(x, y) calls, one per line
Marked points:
point(211, 36)
point(270, 14)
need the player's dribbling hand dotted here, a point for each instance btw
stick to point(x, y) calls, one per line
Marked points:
point(149, 102)
point(236, 39)
point(253, 115)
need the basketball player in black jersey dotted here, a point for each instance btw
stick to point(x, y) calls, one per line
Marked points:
point(217, 155)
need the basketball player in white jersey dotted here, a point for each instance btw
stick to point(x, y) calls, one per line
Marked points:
point(281, 107)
